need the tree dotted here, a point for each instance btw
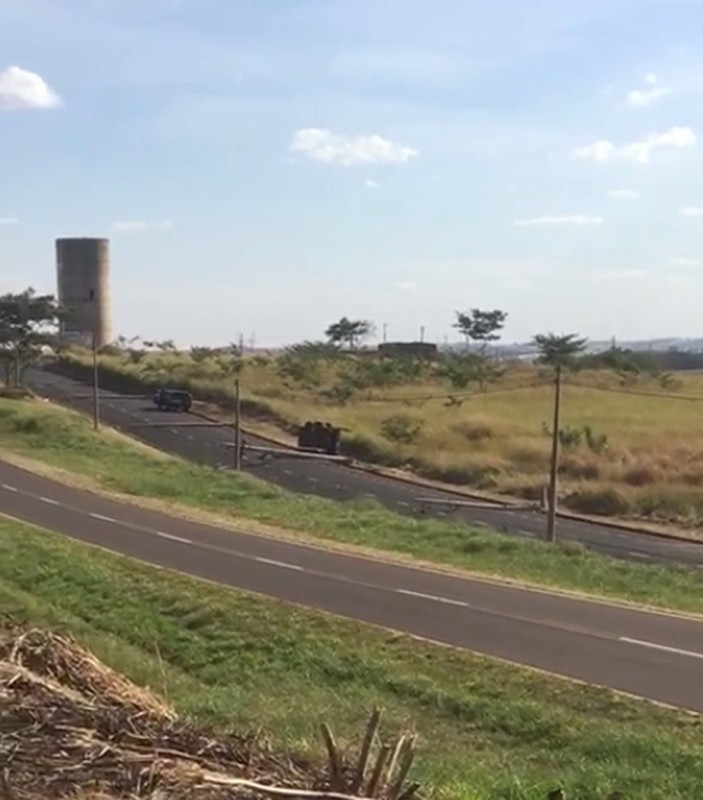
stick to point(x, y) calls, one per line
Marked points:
point(349, 332)
point(559, 351)
point(480, 326)
point(28, 322)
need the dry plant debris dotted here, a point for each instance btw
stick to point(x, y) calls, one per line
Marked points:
point(70, 726)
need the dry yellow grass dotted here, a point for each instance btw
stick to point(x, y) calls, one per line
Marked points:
point(494, 440)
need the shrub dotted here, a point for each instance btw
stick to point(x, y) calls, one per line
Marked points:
point(640, 475)
point(670, 503)
point(473, 430)
point(401, 428)
point(607, 502)
point(573, 467)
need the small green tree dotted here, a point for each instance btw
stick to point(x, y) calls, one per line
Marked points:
point(28, 322)
point(349, 332)
point(559, 350)
point(480, 326)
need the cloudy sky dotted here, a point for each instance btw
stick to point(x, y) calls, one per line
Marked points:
point(265, 167)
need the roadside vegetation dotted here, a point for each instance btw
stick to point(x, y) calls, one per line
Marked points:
point(66, 442)
point(488, 730)
point(630, 433)
point(631, 439)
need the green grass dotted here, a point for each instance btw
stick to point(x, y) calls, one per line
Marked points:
point(66, 440)
point(488, 730)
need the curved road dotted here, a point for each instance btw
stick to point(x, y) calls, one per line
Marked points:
point(656, 656)
point(135, 415)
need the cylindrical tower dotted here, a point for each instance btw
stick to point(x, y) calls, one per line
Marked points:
point(83, 283)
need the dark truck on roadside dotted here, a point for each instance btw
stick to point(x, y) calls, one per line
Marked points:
point(173, 400)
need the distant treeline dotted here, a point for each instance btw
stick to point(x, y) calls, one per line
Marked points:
point(644, 360)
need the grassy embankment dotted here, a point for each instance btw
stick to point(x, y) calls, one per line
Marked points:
point(65, 441)
point(652, 466)
point(488, 730)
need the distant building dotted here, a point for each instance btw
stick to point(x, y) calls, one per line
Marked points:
point(414, 349)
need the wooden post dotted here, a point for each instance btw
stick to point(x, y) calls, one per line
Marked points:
point(554, 464)
point(237, 428)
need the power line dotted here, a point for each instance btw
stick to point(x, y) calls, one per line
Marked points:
point(458, 395)
point(635, 393)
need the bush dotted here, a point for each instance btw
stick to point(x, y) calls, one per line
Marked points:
point(401, 428)
point(599, 502)
point(473, 431)
point(641, 475)
point(572, 466)
point(670, 503)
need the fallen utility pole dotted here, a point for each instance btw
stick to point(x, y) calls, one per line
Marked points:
point(290, 453)
point(498, 505)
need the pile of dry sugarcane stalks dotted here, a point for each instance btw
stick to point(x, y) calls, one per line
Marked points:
point(70, 726)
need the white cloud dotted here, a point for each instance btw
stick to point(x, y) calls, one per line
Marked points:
point(640, 151)
point(564, 219)
point(406, 286)
point(691, 211)
point(9, 221)
point(639, 98)
point(618, 274)
point(21, 89)
point(369, 184)
point(685, 261)
point(140, 226)
point(624, 193)
point(323, 145)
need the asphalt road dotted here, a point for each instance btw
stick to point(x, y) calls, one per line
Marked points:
point(656, 656)
point(137, 416)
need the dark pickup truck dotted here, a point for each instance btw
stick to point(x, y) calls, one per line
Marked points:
point(173, 400)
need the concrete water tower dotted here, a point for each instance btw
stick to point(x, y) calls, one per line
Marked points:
point(83, 283)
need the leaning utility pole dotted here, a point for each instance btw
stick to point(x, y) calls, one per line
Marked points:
point(554, 464)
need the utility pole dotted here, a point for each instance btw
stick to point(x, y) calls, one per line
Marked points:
point(94, 343)
point(96, 399)
point(385, 332)
point(554, 464)
point(422, 333)
point(237, 427)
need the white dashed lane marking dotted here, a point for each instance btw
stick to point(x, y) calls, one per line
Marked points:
point(173, 538)
point(103, 518)
point(434, 598)
point(664, 648)
point(49, 501)
point(273, 563)
point(9, 488)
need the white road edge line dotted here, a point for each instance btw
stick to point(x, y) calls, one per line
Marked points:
point(664, 648)
point(173, 538)
point(49, 501)
point(104, 519)
point(434, 598)
point(272, 562)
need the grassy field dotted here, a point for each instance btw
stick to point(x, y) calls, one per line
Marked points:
point(489, 731)
point(641, 457)
point(66, 442)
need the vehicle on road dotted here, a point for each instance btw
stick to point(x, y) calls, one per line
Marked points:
point(173, 400)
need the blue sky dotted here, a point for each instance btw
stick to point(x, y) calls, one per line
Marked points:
point(265, 167)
